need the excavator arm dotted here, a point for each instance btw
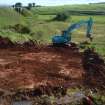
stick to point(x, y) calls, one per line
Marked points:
point(66, 36)
point(75, 26)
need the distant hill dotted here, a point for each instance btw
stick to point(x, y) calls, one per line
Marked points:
point(98, 9)
point(98, 3)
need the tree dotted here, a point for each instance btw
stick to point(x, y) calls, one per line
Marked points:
point(13, 6)
point(30, 5)
point(18, 4)
point(33, 4)
point(18, 7)
point(61, 16)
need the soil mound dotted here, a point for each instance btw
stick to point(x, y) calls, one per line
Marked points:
point(94, 67)
point(5, 42)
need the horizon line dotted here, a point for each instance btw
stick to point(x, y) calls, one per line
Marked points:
point(55, 4)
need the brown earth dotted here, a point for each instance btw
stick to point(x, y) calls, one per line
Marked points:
point(48, 66)
point(29, 69)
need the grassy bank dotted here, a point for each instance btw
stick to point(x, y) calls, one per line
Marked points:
point(9, 17)
point(43, 28)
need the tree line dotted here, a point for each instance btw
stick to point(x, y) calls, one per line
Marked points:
point(19, 6)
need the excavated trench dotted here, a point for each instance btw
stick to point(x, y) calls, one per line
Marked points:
point(35, 71)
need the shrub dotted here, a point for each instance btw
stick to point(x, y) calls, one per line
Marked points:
point(61, 16)
point(26, 12)
point(21, 29)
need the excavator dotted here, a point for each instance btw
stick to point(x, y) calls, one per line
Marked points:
point(65, 38)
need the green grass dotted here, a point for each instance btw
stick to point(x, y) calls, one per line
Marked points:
point(9, 17)
point(43, 28)
point(55, 9)
point(13, 36)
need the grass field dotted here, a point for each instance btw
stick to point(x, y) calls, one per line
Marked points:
point(82, 7)
point(43, 28)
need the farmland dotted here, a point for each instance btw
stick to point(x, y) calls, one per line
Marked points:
point(55, 9)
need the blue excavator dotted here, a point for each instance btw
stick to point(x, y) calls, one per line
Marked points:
point(65, 38)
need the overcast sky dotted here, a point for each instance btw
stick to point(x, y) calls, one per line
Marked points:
point(49, 2)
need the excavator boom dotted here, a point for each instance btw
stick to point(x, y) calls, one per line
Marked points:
point(66, 36)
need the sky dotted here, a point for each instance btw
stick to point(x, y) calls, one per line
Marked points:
point(48, 2)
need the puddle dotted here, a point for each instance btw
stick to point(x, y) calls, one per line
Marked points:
point(22, 103)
